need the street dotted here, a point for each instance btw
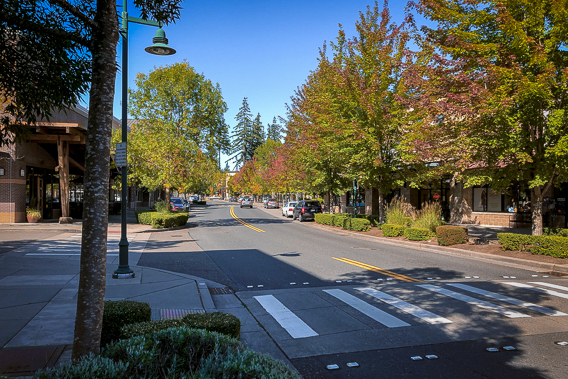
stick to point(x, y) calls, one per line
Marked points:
point(330, 299)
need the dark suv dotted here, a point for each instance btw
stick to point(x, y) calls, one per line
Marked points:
point(306, 210)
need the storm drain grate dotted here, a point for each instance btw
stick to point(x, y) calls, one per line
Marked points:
point(177, 314)
point(220, 291)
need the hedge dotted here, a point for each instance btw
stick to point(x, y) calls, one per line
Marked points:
point(324, 218)
point(392, 230)
point(554, 246)
point(174, 353)
point(555, 232)
point(145, 214)
point(339, 217)
point(220, 322)
point(451, 235)
point(418, 234)
point(168, 220)
point(117, 314)
point(356, 224)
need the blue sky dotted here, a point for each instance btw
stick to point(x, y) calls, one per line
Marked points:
point(262, 50)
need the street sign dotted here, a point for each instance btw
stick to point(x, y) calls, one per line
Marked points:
point(120, 157)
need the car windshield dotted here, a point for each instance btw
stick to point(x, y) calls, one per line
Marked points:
point(177, 201)
point(312, 204)
point(272, 200)
point(292, 204)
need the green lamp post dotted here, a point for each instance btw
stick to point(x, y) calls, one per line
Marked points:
point(159, 47)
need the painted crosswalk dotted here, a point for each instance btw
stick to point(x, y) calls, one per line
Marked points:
point(72, 247)
point(416, 305)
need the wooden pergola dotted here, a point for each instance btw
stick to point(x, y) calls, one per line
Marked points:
point(70, 138)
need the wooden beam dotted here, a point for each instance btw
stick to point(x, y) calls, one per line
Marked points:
point(74, 163)
point(63, 160)
point(52, 138)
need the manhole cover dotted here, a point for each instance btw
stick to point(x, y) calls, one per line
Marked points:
point(220, 291)
point(27, 360)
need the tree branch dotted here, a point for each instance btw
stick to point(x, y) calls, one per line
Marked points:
point(41, 29)
point(75, 12)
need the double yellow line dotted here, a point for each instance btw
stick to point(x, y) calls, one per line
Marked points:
point(244, 223)
point(378, 269)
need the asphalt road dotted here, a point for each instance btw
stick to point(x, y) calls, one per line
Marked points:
point(332, 299)
point(16, 238)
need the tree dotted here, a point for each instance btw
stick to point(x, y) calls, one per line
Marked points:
point(181, 115)
point(61, 31)
point(256, 136)
point(274, 130)
point(491, 86)
point(241, 135)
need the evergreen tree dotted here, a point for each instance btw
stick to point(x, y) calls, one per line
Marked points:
point(274, 130)
point(257, 136)
point(241, 135)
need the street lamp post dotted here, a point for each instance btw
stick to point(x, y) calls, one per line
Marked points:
point(159, 47)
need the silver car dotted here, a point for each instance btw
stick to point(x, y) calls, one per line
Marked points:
point(246, 202)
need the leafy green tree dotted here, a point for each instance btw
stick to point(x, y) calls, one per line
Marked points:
point(490, 93)
point(181, 114)
point(70, 42)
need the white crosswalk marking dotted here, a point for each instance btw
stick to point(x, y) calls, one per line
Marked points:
point(510, 300)
point(541, 290)
point(423, 314)
point(471, 300)
point(551, 285)
point(367, 309)
point(72, 247)
point(286, 318)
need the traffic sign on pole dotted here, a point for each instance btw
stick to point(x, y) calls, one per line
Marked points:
point(120, 157)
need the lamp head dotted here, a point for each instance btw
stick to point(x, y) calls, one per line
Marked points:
point(160, 46)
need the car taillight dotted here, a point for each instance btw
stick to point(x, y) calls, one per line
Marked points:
point(303, 210)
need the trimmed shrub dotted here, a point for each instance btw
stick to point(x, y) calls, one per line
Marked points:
point(392, 230)
point(148, 327)
point(555, 232)
point(512, 241)
point(418, 234)
point(554, 246)
point(175, 353)
point(144, 216)
point(339, 217)
point(357, 224)
point(323, 218)
point(119, 313)
point(169, 219)
point(429, 217)
point(451, 235)
point(162, 206)
point(224, 323)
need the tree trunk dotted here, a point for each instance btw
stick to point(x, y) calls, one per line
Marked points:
point(381, 207)
point(92, 280)
point(536, 210)
point(63, 163)
point(168, 195)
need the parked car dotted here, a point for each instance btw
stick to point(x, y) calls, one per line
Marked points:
point(288, 209)
point(246, 202)
point(272, 203)
point(306, 210)
point(177, 204)
point(214, 197)
point(186, 204)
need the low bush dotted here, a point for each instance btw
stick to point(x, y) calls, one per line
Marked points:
point(554, 246)
point(555, 232)
point(512, 241)
point(195, 202)
point(147, 327)
point(169, 219)
point(174, 353)
point(144, 216)
point(451, 235)
point(324, 218)
point(117, 314)
point(220, 322)
point(373, 219)
point(357, 224)
point(418, 234)
point(162, 206)
point(393, 230)
point(398, 212)
point(339, 217)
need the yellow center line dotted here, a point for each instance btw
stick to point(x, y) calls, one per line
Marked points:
point(377, 269)
point(244, 223)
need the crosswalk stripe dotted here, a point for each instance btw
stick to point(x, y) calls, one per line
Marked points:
point(471, 300)
point(510, 300)
point(286, 318)
point(67, 255)
point(541, 290)
point(423, 314)
point(367, 309)
point(551, 285)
